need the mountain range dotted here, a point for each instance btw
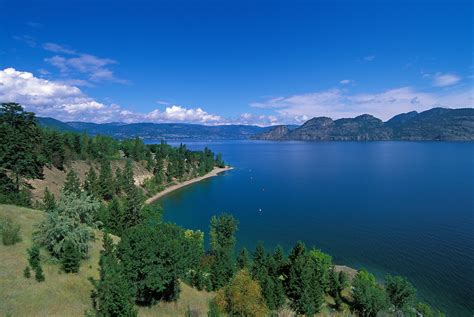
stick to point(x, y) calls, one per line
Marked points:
point(434, 124)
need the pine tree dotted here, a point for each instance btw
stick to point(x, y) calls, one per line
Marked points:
point(34, 256)
point(49, 202)
point(112, 294)
point(70, 257)
point(72, 184)
point(39, 275)
point(90, 185)
point(132, 210)
point(106, 183)
point(222, 236)
point(114, 219)
point(128, 182)
point(243, 260)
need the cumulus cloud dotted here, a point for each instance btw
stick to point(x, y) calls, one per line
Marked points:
point(443, 80)
point(337, 103)
point(346, 81)
point(68, 103)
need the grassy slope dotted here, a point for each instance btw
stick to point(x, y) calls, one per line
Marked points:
point(64, 294)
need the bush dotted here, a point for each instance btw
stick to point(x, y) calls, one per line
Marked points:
point(27, 272)
point(34, 256)
point(39, 275)
point(10, 231)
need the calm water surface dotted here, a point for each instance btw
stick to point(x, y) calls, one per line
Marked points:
point(390, 207)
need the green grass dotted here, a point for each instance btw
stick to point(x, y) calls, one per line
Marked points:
point(64, 294)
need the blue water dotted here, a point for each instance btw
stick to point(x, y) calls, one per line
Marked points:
point(391, 207)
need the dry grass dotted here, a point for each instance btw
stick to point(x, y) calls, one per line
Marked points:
point(64, 294)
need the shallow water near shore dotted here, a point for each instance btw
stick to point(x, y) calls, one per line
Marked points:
point(391, 207)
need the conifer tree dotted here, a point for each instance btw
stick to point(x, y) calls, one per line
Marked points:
point(49, 202)
point(34, 256)
point(222, 236)
point(106, 183)
point(112, 294)
point(72, 184)
point(243, 261)
point(70, 257)
point(132, 209)
point(90, 185)
point(39, 275)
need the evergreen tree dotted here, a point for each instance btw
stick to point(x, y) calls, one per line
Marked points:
point(132, 209)
point(401, 293)
point(34, 256)
point(304, 287)
point(20, 156)
point(49, 202)
point(72, 184)
point(260, 274)
point(106, 182)
point(91, 183)
point(128, 181)
point(112, 294)
point(39, 275)
point(369, 297)
point(70, 257)
point(114, 218)
point(243, 261)
point(222, 236)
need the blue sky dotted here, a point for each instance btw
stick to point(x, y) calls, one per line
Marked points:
point(251, 62)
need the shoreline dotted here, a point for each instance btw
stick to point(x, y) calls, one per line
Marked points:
point(215, 172)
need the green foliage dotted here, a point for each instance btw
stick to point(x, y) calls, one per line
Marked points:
point(242, 297)
point(304, 287)
point(53, 149)
point(10, 231)
point(112, 294)
point(39, 275)
point(369, 296)
point(243, 261)
point(401, 293)
point(213, 309)
point(222, 236)
point(70, 220)
point(20, 136)
point(72, 184)
point(71, 257)
point(323, 264)
point(49, 202)
point(91, 183)
point(154, 259)
point(34, 256)
point(106, 186)
point(27, 272)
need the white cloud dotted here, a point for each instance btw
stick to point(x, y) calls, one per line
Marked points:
point(68, 103)
point(443, 80)
point(56, 48)
point(337, 103)
point(346, 81)
point(369, 58)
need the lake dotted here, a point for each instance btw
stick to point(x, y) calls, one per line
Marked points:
point(402, 208)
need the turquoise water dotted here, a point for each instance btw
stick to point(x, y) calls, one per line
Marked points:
point(391, 207)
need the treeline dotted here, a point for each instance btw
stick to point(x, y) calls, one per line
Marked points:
point(25, 149)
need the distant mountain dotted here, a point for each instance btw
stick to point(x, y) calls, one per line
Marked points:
point(54, 124)
point(157, 131)
point(434, 124)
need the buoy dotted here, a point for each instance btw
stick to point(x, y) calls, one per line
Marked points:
point(260, 209)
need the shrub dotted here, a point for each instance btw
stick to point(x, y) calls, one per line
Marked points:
point(10, 231)
point(34, 256)
point(39, 275)
point(27, 272)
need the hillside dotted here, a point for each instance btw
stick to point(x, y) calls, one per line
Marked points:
point(436, 124)
point(157, 131)
point(64, 294)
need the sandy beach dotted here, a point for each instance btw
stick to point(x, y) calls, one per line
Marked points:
point(214, 172)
